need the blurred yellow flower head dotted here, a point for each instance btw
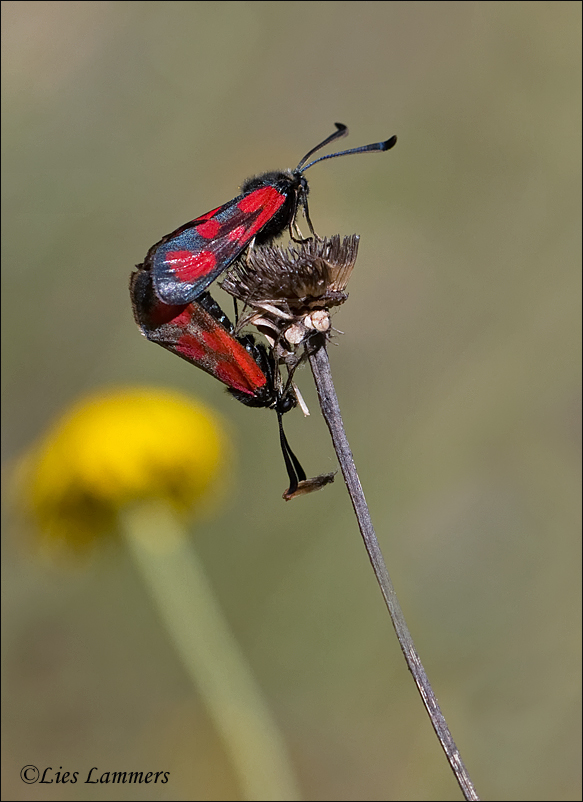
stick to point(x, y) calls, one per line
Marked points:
point(118, 448)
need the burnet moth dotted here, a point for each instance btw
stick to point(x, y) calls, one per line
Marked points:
point(202, 334)
point(186, 261)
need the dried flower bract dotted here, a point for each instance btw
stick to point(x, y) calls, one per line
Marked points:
point(290, 290)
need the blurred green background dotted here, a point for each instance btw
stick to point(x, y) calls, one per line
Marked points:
point(458, 376)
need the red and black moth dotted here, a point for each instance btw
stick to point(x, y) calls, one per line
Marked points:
point(186, 261)
point(172, 307)
point(202, 334)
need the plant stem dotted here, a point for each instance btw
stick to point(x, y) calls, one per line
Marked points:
point(320, 365)
point(185, 600)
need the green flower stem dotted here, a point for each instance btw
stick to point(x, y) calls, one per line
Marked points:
point(209, 652)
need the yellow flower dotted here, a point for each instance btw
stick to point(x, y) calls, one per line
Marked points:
point(117, 448)
point(130, 460)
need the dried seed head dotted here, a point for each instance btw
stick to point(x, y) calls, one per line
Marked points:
point(299, 279)
point(290, 290)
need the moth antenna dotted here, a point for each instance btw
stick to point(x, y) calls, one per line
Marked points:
point(294, 469)
point(341, 131)
point(364, 149)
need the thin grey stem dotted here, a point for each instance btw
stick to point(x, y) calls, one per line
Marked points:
point(331, 411)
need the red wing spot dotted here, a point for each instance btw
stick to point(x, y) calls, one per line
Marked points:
point(190, 347)
point(212, 348)
point(236, 234)
point(189, 266)
point(217, 339)
point(209, 229)
point(260, 198)
point(234, 376)
point(266, 201)
point(233, 364)
point(163, 313)
point(234, 367)
point(184, 318)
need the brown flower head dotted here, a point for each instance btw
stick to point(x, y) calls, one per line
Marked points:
point(290, 290)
